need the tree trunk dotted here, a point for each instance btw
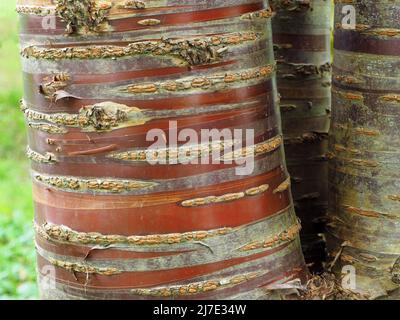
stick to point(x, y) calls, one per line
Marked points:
point(111, 224)
point(364, 205)
point(302, 34)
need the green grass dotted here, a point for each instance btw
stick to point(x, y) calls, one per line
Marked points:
point(17, 253)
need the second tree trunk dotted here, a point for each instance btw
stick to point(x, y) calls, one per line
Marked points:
point(364, 207)
point(302, 32)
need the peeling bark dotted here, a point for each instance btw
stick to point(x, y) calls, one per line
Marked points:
point(109, 224)
point(364, 225)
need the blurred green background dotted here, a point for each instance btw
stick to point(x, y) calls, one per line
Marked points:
point(17, 257)
point(17, 254)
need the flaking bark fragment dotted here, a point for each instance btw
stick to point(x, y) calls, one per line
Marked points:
point(256, 150)
point(219, 81)
point(57, 83)
point(83, 268)
point(134, 4)
point(83, 16)
point(261, 14)
point(193, 51)
point(283, 237)
point(64, 234)
point(284, 186)
point(99, 117)
point(197, 287)
point(225, 197)
point(48, 158)
point(112, 186)
point(35, 10)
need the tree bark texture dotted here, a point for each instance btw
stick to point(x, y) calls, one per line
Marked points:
point(364, 207)
point(111, 224)
point(302, 38)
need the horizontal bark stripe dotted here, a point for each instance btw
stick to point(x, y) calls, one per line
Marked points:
point(228, 12)
point(261, 166)
point(143, 120)
point(172, 154)
point(238, 183)
point(222, 78)
point(236, 292)
point(152, 278)
point(281, 228)
point(110, 221)
point(369, 65)
point(70, 149)
point(34, 24)
point(74, 144)
point(127, 75)
point(194, 252)
point(137, 136)
point(304, 93)
point(98, 254)
point(208, 49)
point(123, 170)
point(349, 40)
point(243, 290)
point(302, 42)
point(347, 82)
point(91, 223)
point(121, 7)
point(277, 275)
point(225, 97)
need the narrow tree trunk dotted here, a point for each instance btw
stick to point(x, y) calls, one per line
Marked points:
point(364, 205)
point(108, 223)
point(302, 34)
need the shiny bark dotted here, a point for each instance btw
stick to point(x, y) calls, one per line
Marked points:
point(108, 223)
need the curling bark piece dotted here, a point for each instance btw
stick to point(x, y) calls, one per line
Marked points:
point(364, 205)
point(302, 34)
point(108, 223)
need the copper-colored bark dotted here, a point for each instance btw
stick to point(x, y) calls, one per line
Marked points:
point(111, 224)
